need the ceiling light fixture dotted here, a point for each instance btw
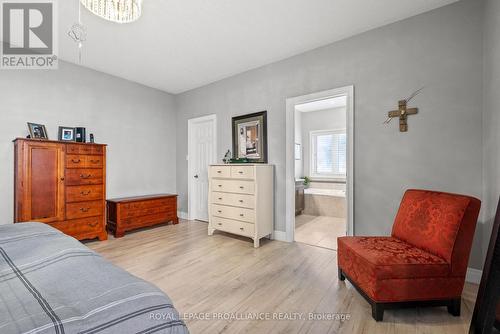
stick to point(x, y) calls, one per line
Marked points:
point(119, 11)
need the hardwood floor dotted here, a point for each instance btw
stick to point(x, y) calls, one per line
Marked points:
point(225, 274)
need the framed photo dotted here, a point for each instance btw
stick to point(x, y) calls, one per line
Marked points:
point(298, 151)
point(250, 137)
point(66, 133)
point(37, 131)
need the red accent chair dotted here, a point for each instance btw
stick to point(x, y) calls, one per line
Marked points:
point(425, 260)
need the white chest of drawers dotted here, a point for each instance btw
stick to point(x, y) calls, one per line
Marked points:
point(241, 200)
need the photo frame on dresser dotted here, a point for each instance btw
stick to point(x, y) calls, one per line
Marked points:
point(250, 137)
point(37, 131)
point(66, 133)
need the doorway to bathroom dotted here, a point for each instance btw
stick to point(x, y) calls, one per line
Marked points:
point(321, 169)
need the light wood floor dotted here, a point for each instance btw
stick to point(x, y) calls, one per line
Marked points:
point(320, 231)
point(224, 273)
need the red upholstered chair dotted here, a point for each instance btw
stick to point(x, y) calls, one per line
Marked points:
point(425, 260)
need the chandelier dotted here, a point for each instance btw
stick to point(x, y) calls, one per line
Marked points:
point(119, 11)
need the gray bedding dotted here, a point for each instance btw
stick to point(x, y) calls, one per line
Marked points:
point(51, 283)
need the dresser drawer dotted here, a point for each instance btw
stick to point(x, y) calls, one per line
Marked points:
point(94, 161)
point(97, 150)
point(75, 177)
point(233, 186)
point(233, 226)
point(76, 161)
point(244, 201)
point(84, 209)
point(78, 149)
point(84, 193)
point(247, 215)
point(80, 226)
point(220, 171)
point(242, 172)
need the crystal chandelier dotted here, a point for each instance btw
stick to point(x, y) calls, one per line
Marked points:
point(119, 11)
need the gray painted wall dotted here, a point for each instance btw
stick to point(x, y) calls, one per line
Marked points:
point(138, 124)
point(331, 119)
point(441, 50)
point(491, 117)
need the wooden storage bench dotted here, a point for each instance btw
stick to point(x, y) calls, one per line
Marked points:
point(125, 214)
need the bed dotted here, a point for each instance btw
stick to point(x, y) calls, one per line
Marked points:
point(51, 283)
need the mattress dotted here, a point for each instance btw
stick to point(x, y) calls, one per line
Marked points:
point(51, 283)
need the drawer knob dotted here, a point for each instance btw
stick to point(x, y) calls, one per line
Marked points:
point(241, 187)
point(241, 201)
point(85, 193)
point(219, 185)
point(219, 224)
point(75, 161)
point(242, 215)
point(219, 171)
point(241, 228)
point(219, 211)
point(93, 224)
point(85, 176)
point(95, 161)
point(220, 198)
point(241, 172)
point(84, 209)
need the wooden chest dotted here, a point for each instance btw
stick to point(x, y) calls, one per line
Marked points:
point(125, 214)
point(61, 184)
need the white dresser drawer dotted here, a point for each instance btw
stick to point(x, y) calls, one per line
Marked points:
point(233, 186)
point(241, 200)
point(232, 226)
point(247, 215)
point(242, 172)
point(220, 171)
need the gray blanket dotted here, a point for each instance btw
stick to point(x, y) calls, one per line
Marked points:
point(51, 283)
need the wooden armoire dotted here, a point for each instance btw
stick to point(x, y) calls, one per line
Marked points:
point(61, 184)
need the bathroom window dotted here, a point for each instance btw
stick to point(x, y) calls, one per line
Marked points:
point(329, 154)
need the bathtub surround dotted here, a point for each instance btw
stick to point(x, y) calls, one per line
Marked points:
point(441, 49)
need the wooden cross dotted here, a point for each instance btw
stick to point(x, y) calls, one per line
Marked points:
point(402, 113)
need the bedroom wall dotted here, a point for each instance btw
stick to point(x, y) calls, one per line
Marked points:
point(331, 119)
point(137, 122)
point(491, 118)
point(441, 50)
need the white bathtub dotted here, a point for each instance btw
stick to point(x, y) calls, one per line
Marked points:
point(325, 192)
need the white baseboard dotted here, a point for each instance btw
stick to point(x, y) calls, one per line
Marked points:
point(182, 215)
point(279, 235)
point(473, 275)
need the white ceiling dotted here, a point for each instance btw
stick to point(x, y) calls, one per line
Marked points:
point(331, 103)
point(179, 45)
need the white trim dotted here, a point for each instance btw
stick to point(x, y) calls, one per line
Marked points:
point(183, 215)
point(473, 275)
point(290, 155)
point(192, 121)
point(279, 235)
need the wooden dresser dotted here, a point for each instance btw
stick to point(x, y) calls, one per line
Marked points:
point(129, 213)
point(241, 200)
point(61, 184)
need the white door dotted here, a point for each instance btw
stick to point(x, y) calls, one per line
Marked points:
point(202, 153)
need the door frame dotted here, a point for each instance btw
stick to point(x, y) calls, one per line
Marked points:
point(290, 155)
point(191, 123)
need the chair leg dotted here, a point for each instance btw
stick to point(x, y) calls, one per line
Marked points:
point(341, 275)
point(454, 307)
point(378, 312)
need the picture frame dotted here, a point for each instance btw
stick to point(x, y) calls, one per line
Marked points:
point(250, 137)
point(298, 151)
point(37, 131)
point(66, 133)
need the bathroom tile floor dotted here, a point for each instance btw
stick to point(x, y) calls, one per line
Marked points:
point(320, 231)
